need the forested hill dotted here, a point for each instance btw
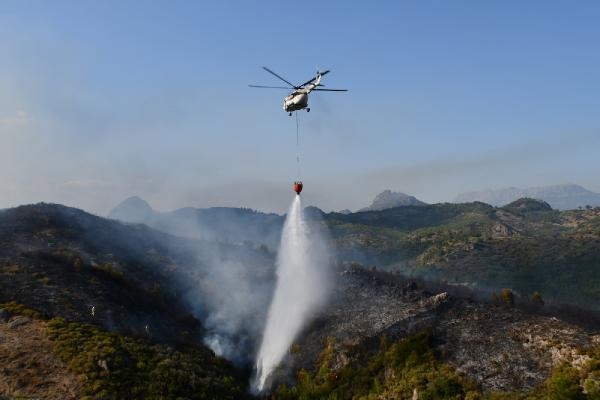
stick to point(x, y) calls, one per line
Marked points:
point(526, 246)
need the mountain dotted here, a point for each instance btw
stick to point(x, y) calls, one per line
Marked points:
point(560, 197)
point(64, 261)
point(388, 199)
point(465, 301)
point(526, 246)
point(222, 224)
point(133, 209)
point(110, 310)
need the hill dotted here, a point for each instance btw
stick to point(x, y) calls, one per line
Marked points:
point(560, 197)
point(62, 261)
point(388, 199)
point(151, 297)
point(133, 209)
point(159, 299)
point(387, 338)
point(526, 246)
point(223, 224)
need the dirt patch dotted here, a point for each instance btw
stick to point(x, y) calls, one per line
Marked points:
point(28, 366)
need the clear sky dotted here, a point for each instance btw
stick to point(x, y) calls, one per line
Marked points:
point(101, 100)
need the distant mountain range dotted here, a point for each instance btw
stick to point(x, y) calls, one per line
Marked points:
point(388, 199)
point(223, 224)
point(232, 225)
point(561, 197)
point(237, 225)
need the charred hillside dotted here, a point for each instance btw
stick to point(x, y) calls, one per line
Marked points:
point(114, 309)
point(387, 337)
point(63, 261)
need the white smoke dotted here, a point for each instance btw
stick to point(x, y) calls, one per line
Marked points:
point(301, 288)
point(236, 296)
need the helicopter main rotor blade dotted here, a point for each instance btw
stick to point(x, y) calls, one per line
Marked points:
point(310, 81)
point(273, 73)
point(269, 87)
point(330, 90)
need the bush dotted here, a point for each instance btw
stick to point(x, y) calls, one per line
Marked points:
point(507, 297)
point(563, 384)
point(19, 309)
point(536, 298)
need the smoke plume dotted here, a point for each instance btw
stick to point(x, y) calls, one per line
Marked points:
point(229, 288)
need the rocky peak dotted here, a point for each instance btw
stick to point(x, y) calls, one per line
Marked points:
point(388, 199)
point(133, 209)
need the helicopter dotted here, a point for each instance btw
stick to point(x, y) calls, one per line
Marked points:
point(298, 99)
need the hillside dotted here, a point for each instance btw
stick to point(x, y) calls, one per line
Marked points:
point(385, 337)
point(159, 299)
point(560, 197)
point(63, 261)
point(388, 199)
point(135, 286)
point(526, 246)
point(223, 224)
point(55, 359)
point(24, 343)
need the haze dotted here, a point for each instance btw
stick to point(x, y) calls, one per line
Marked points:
point(103, 100)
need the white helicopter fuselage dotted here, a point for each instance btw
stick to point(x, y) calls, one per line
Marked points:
point(298, 100)
point(295, 101)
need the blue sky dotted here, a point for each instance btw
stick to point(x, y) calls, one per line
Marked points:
point(103, 100)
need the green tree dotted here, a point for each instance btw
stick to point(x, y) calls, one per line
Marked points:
point(592, 387)
point(536, 298)
point(77, 264)
point(564, 384)
point(507, 297)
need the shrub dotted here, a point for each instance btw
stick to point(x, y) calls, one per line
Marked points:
point(19, 309)
point(536, 298)
point(507, 297)
point(563, 384)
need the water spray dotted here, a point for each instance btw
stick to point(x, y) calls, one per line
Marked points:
point(301, 289)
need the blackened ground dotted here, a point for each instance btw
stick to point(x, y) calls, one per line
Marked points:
point(501, 347)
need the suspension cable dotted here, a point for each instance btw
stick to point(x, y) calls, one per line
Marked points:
point(298, 149)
